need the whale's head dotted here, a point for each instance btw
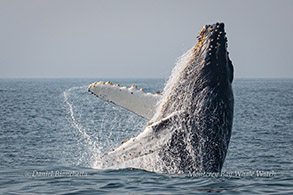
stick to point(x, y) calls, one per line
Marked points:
point(200, 91)
point(205, 68)
point(211, 55)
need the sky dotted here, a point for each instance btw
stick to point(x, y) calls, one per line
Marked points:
point(139, 38)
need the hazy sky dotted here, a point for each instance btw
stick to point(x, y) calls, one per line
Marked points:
point(139, 39)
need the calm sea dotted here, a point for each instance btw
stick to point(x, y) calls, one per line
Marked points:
point(53, 130)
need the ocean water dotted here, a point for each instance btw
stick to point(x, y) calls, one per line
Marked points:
point(53, 130)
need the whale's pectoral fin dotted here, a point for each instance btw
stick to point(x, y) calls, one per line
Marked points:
point(132, 99)
point(146, 145)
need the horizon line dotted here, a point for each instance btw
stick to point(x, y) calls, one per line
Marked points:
point(130, 78)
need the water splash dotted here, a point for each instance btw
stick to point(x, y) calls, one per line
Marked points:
point(176, 71)
point(93, 150)
point(99, 125)
point(76, 125)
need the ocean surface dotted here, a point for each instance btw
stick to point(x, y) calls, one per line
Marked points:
point(53, 130)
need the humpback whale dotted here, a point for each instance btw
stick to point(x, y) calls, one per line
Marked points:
point(190, 122)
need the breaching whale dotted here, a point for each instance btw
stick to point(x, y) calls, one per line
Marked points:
point(190, 122)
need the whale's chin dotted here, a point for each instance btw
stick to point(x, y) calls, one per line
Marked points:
point(190, 122)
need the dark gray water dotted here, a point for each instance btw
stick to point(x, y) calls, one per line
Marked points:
point(52, 131)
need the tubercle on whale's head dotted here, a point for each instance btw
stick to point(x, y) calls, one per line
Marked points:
point(212, 50)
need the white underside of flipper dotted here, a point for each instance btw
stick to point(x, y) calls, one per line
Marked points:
point(132, 99)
